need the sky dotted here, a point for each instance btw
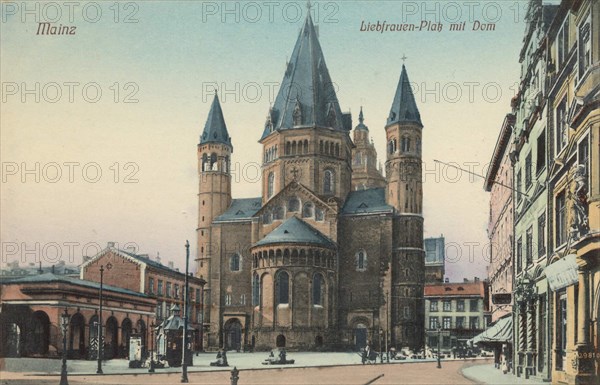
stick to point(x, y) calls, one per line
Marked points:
point(99, 129)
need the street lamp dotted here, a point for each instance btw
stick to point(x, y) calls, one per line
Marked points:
point(64, 322)
point(100, 340)
point(202, 283)
point(184, 376)
point(152, 326)
point(439, 361)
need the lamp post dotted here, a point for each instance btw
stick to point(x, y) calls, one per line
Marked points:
point(202, 283)
point(152, 326)
point(100, 339)
point(64, 322)
point(439, 348)
point(184, 376)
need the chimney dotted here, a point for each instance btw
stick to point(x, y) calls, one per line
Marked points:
point(476, 279)
point(447, 280)
point(110, 244)
point(465, 280)
point(171, 265)
point(157, 257)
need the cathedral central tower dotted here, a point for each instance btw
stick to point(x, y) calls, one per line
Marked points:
point(306, 135)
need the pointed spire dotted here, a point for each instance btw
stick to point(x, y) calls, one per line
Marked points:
point(404, 108)
point(361, 119)
point(306, 87)
point(215, 130)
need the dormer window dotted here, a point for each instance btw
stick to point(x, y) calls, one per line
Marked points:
point(297, 115)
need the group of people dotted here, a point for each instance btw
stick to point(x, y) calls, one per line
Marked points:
point(221, 359)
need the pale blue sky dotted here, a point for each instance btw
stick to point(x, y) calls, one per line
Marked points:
point(173, 57)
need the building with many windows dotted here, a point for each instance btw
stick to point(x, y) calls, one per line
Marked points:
point(330, 255)
point(459, 309)
point(573, 60)
point(138, 272)
point(529, 155)
point(498, 181)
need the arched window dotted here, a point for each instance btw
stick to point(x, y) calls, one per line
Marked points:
point(317, 290)
point(234, 263)
point(282, 288)
point(361, 260)
point(267, 218)
point(288, 148)
point(305, 146)
point(319, 214)
point(205, 165)
point(391, 147)
point(337, 149)
point(321, 147)
point(419, 146)
point(395, 145)
point(278, 213)
point(405, 144)
point(328, 182)
point(294, 147)
point(293, 204)
point(307, 210)
point(270, 184)
point(255, 290)
point(213, 162)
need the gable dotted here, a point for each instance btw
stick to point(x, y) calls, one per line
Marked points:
point(295, 189)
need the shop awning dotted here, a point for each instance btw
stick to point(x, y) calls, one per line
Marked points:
point(499, 332)
point(562, 273)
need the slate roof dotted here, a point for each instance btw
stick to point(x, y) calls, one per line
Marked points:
point(366, 201)
point(404, 108)
point(240, 209)
point(215, 129)
point(295, 230)
point(307, 85)
point(53, 278)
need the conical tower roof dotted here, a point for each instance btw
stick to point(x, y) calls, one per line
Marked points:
point(215, 129)
point(404, 108)
point(307, 95)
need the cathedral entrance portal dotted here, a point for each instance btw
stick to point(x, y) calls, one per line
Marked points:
point(360, 336)
point(233, 335)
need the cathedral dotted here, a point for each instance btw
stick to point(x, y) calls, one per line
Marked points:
point(330, 256)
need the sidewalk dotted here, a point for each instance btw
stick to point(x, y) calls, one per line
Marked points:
point(243, 361)
point(487, 374)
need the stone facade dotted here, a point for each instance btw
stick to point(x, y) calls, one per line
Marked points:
point(499, 182)
point(530, 170)
point(330, 256)
point(140, 273)
point(456, 312)
point(574, 192)
point(32, 307)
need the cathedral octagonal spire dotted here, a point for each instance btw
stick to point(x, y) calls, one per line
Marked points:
point(307, 95)
point(215, 129)
point(404, 108)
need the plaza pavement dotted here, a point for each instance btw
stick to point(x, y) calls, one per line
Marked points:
point(310, 368)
